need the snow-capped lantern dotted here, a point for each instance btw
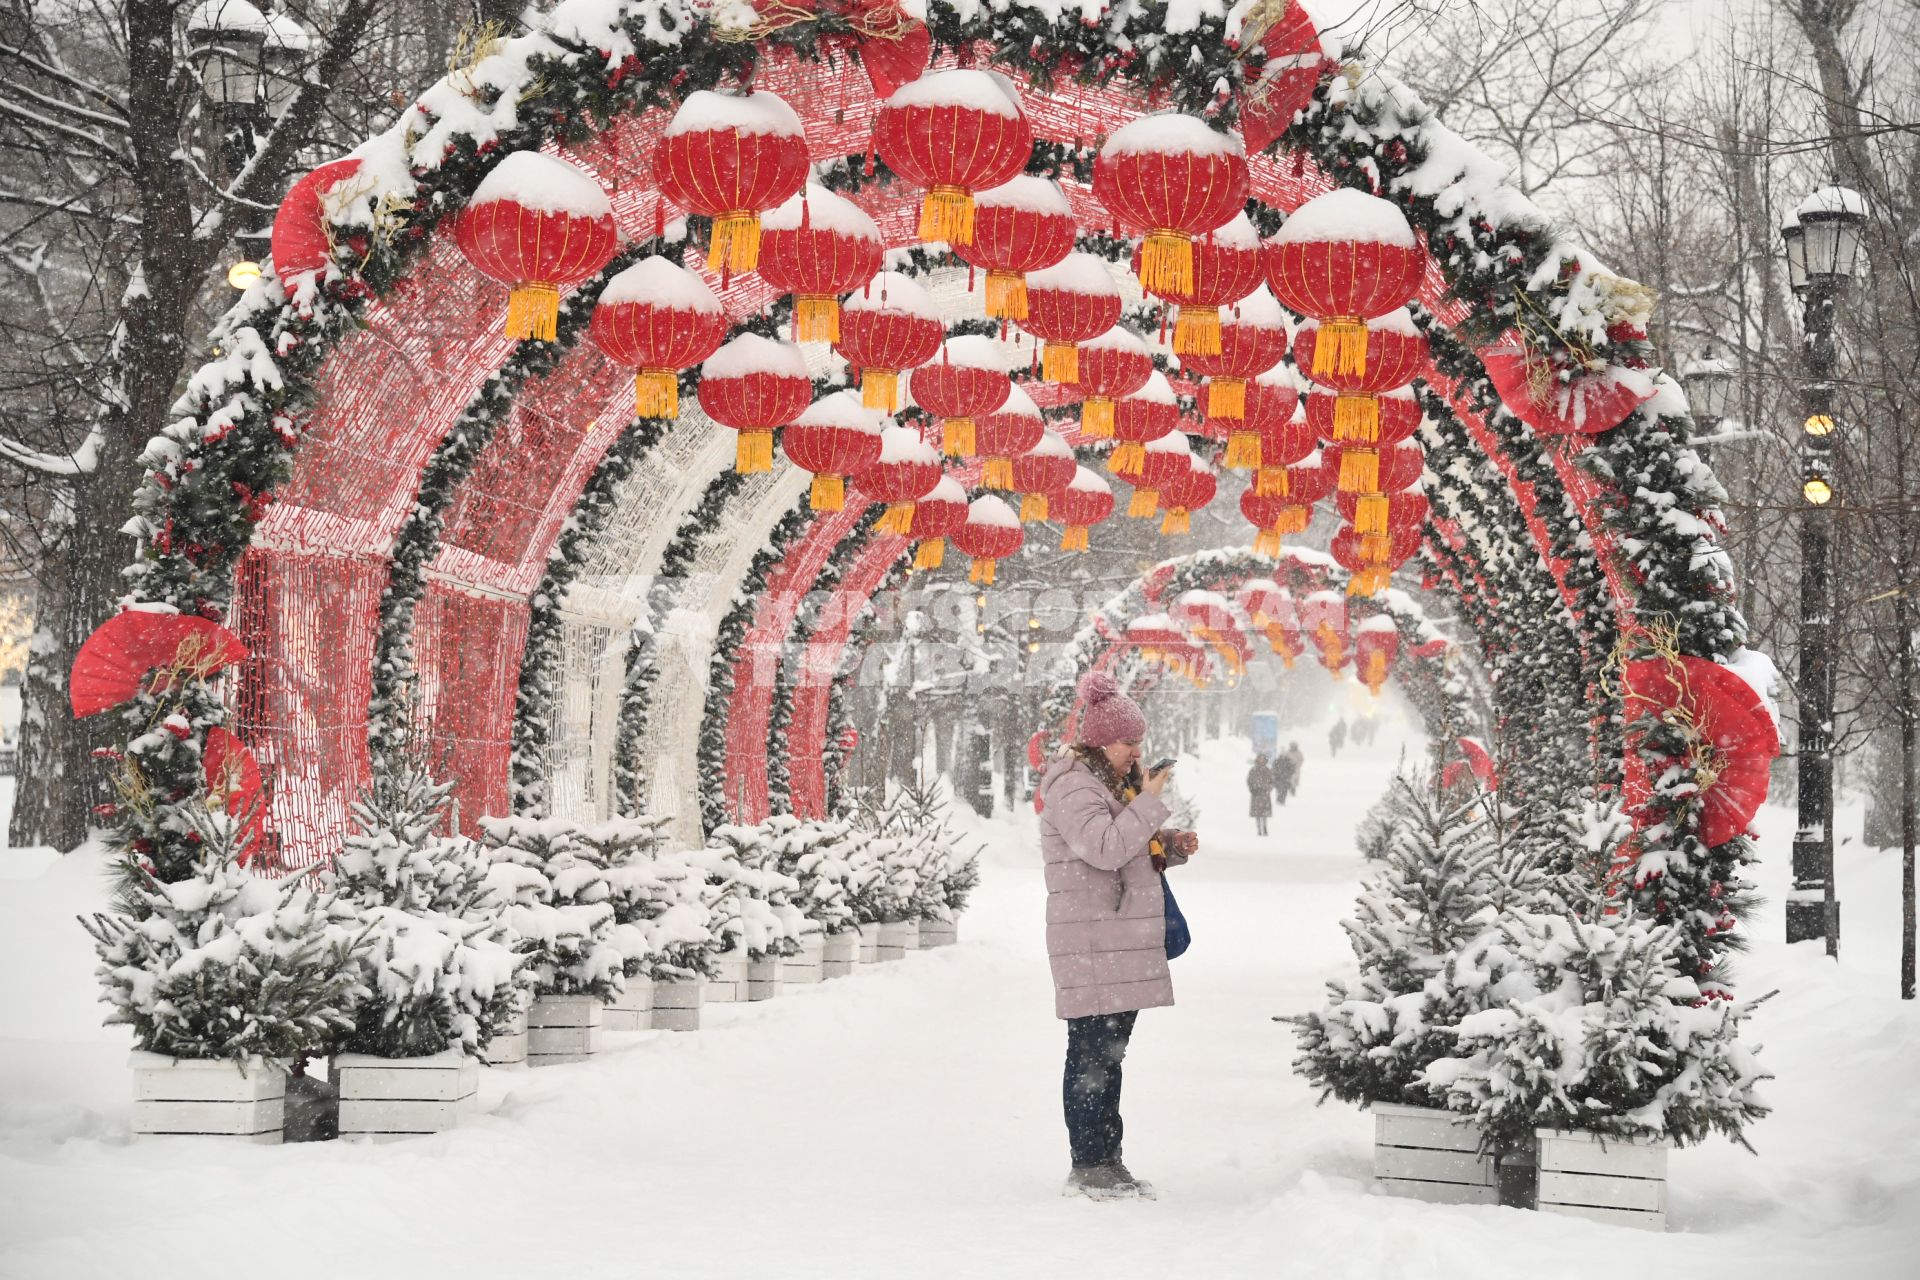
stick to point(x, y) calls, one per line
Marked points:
point(1396, 354)
point(1372, 473)
point(1323, 616)
point(907, 471)
point(1226, 268)
point(1285, 446)
point(1163, 463)
point(1067, 304)
point(1344, 258)
point(1367, 420)
point(1008, 432)
point(1265, 401)
point(964, 380)
point(536, 224)
point(755, 386)
point(1370, 576)
point(732, 158)
point(1271, 519)
point(834, 438)
point(1085, 502)
point(1174, 177)
point(891, 325)
point(1155, 636)
point(1146, 415)
point(1395, 513)
point(1555, 395)
point(1111, 364)
point(1186, 495)
point(989, 535)
point(1375, 642)
point(936, 515)
point(1019, 226)
point(657, 318)
point(1249, 343)
point(817, 246)
point(953, 132)
point(1041, 472)
point(1210, 619)
point(1261, 599)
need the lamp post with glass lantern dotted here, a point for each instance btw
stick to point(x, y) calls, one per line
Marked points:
point(283, 60)
point(1709, 384)
point(1823, 242)
point(227, 39)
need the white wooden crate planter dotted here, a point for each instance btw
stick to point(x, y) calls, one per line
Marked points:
point(938, 933)
point(563, 1029)
point(676, 1005)
point(632, 1010)
point(841, 954)
point(809, 966)
point(394, 1097)
point(1607, 1179)
point(729, 981)
point(1430, 1154)
point(763, 978)
point(209, 1097)
point(508, 1047)
point(869, 935)
point(897, 938)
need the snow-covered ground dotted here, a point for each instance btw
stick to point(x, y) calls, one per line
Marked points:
point(906, 1121)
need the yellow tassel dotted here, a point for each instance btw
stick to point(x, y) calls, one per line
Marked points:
point(753, 452)
point(1356, 419)
point(1374, 674)
point(1060, 362)
point(1267, 543)
point(898, 520)
point(880, 389)
point(1243, 451)
point(1075, 539)
point(1166, 262)
point(1270, 482)
point(982, 571)
point(1033, 506)
point(829, 493)
point(1177, 521)
point(1197, 331)
point(1370, 581)
point(931, 554)
point(1340, 347)
point(1370, 514)
point(816, 318)
point(656, 394)
point(1146, 502)
point(1226, 397)
point(736, 242)
point(998, 473)
point(1129, 456)
point(1096, 418)
point(957, 437)
point(1375, 548)
point(947, 214)
point(533, 310)
point(1359, 471)
point(1006, 295)
point(1293, 520)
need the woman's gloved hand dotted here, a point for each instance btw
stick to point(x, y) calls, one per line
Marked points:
point(1186, 843)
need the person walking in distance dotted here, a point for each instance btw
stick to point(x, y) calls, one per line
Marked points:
point(1260, 793)
point(1337, 737)
point(1286, 772)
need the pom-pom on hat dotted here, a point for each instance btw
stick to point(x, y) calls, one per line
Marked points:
point(1107, 715)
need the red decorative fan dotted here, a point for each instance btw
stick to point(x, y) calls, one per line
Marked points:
point(1476, 760)
point(114, 663)
point(233, 786)
point(1733, 738)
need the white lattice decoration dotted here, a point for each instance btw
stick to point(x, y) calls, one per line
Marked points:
point(592, 665)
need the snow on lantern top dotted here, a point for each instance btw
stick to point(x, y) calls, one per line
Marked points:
point(1157, 389)
point(987, 509)
point(1053, 445)
point(661, 282)
point(1076, 273)
point(975, 351)
point(961, 87)
point(1261, 310)
point(1347, 214)
point(1172, 442)
point(903, 444)
point(1237, 233)
point(1029, 192)
point(543, 184)
point(753, 113)
point(823, 210)
point(1018, 404)
point(1170, 134)
point(750, 353)
point(1120, 338)
point(892, 291)
point(948, 490)
point(843, 409)
point(1378, 622)
point(1088, 481)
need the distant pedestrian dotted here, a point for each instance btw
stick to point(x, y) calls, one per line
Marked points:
point(1260, 793)
point(1337, 736)
point(1286, 772)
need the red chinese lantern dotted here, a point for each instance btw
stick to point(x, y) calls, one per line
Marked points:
point(1369, 471)
point(1344, 258)
point(1226, 268)
point(1067, 304)
point(1284, 446)
point(965, 379)
point(834, 438)
point(1148, 414)
point(1175, 178)
point(137, 651)
point(891, 325)
point(1474, 760)
point(990, 534)
point(537, 225)
point(1251, 341)
point(1163, 463)
point(1323, 616)
point(731, 158)
point(1272, 518)
point(1371, 576)
point(1263, 601)
point(657, 318)
point(1006, 433)
point(1385, 419)
point(1042, 472)
point(755, 385)
point(907, 471)
point(1156, 636)
point(1554, 397)
point(1375, 642)
point(1186, 495)
point(1112, 364)
point(1019, 226)
point(1267, 402)
point(1393, 514)
point(1352, 405)
point(936, 516)
point(816, 247)
point(1085, 502)
point(954, 133)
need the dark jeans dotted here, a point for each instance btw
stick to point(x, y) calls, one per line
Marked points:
point(1096, 1047)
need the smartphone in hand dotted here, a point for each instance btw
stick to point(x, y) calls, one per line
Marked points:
point(1161, 765)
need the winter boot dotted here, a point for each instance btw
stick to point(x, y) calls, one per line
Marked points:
point(1100, 1182)
point(1141, 1187)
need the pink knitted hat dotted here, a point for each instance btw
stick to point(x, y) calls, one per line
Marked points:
point(1107, 715)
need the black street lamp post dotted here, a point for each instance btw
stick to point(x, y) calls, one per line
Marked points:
point(1709, 383)
point(228, 39)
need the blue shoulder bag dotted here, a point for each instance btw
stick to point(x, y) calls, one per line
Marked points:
point(1179, 937)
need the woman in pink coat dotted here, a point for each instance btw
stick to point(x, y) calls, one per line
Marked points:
point(1101, 837)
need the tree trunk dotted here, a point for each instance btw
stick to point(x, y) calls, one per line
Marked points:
point(1909, 779)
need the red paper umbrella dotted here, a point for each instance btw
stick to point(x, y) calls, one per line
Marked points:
point(965, 379)
point(1226, 268)
point(1041, 472)
point(1252, 340)
point(1148, 414)
point(1175, 178)
point(954, 133)
point(1344, 257)
point(1397, 512)
point(233, 786)
point(1548, 394)
point(1396, 355)
point(302, 235)
point(657, 318)
point(1003, 435)
point(1375, 642)
point(1085, 502)
point(1371, 576)
point(834, 438)
point(1113, 364)
point(1186, 495)
point(1020, 226)
point(1068, 304)
point(731, 158)
point(816, 247)
point(891, 325)
point(755, 385)
point(1363, 419)
point(1731, 739)
point(536, 224)
point(137, 651)
point(990, 534)
point(908, 470)
point(1267, 402)
point(936, 515)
